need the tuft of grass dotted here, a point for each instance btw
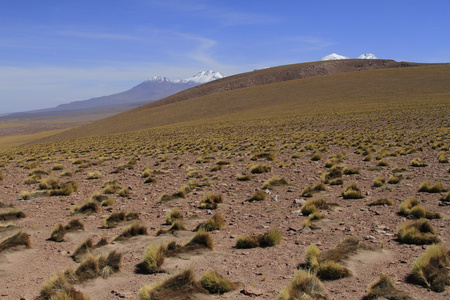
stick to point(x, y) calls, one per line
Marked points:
point(428, 188)
point(274, 181)
point(268, 155)
point(383, 163)
point(19, 239)
point(173, 215)
point(132, 230)
point(242, 177)
point(58, 233)
point(394, 179)
point(310, 190)
point(59, 287)
point(316, 156)
point(334, 173)
point(12, 214)
point(210, 200)
point(179, 286)
point(201, 239)
point(432, 269)
point(442, 157)
point(83, 249)
point(417, 162)
point(350, 171)
point(383, 201)
point(111, 187)
point(304, 285)
point(379, 181)
point(326, 264)
point(215, 283)
point(412, 207)
point(89, 206)
point(94, 175)
point(92, 267)
point(351, 191)
point(259, 195)
point(383, 288)
point(271, 238)
point(153, 259)
point(419, 232)
point(259, 169)
point(216, 222)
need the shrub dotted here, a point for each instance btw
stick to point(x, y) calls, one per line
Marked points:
point(383, 163)
point(383, 288)
point(334, 173)
point(310, 189)
point(274, 181)
point(304, 285)
point(215, 283)
point(418, 232)
point(58, 233)
point(57, 167)
point(124, 192)
point(394, 179)
point(201, 239)
point(19, 239)
point(432, 268)
point(381, 202)
point(216, 222)
point(111, 187)
point(259, 169)
point(331, 270)
point(270, 155)
point(259, 195)
point(351, 191)
point(316, 156)
point(247, 242)
point(210, 200)
point(82, 250)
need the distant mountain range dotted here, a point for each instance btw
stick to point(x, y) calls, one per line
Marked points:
point(334, 56)
point(148, 91)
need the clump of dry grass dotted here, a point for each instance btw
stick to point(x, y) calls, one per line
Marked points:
point(56, 188)
point(304, 285)
point(412, 207)
point(94, 175)
point(432, 269)
point(351, 191)
point(334, 173)
point(19, 239)
point(379, 181)
point(153, 259)
point(92, 267)
point(210, 200)
point(59, 287)
point(90, 206)
point(179, 286)
point(216, 222)
point(242, 177)
point(350, 170)
point(268, 155)
point(259, 169)
point(326, 264)
point(215, 283)
point(417, 162)
point(274, 181)
point(310, 190)
point(419, 232)
point(132, 230)
point(442, 157)
point(428, 188)
point(115, 218)
point(173, 215)
point(111, 187)
point(268, 239)
point(383, 288)
point(259, 195)
point(12, 214)
point(58, 233)
point(84, 248)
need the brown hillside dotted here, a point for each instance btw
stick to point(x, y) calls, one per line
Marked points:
point(207, 101)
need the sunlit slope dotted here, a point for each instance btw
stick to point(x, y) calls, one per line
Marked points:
point(347, 91)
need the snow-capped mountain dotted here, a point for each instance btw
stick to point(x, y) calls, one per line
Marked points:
point(150, 90)
point(334, 56)
point(367, 56)
point(201, 77)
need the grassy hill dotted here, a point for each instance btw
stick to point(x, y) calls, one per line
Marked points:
point(413, 86)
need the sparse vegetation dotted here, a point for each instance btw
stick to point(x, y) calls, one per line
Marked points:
point(216, 222)
point(132, 230)
point(428, 188)
point(304, 285)
point(19, 239)
point(418, 232)
point(351, 191)
point(259, 195)
point(383, 288)
point(268, 239)
point(210, 200)
point(215, 283)
point(274, 181)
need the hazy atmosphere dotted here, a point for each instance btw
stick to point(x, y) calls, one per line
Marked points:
point(54, 52)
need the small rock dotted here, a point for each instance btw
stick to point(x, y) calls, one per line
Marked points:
point(209, 212)
point(251, 291)
point(299, 201)
point(369, 237)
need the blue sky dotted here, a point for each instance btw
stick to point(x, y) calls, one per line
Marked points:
point(54, 52)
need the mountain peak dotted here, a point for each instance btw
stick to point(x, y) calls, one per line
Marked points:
point(367, 56)
point(334, 56)
point(159, 79)
point(203, 77)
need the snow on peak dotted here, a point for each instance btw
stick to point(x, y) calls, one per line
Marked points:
point(159, 79)
point(367, 56)
point(204, 76)
point(334, 56)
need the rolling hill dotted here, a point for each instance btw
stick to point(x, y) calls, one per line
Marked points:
point(365, 81)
